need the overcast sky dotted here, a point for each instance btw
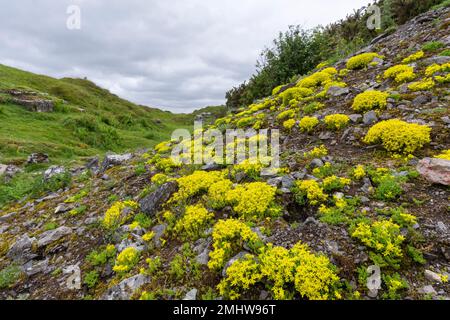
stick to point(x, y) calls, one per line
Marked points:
point(177, 55)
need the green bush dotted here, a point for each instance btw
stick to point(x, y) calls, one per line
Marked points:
point(9, 276)
point(432, 46)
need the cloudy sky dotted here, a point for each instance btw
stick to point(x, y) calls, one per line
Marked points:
point(177, 55)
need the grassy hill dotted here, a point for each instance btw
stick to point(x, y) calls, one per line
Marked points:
point(87, 121)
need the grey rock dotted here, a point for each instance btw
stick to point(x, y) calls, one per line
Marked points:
point(325, 135)
point(337, 91)
point(316, 163)
point(53, 171)
point(20, 251)
point(436, 59)
point(92, 163)
point(211, 167)
point(435, 170)
point(370, 118)
point(7, 216)
point(38, 158)
point(433, 276)
point(427, 290)
point(421, 100)
point(446, 119)
point(287, 181)
point(128, 243)
point(151, 204)
point(191, 295)
point(35, 105)
point(299, 175)
point(61, 208)
point(34, 267)
point(274, 182)
point(112, 160)
point(51, 236)
point(355, 118)
point(9, 171)
point(367, 188)
point(159, 232)
point(125, 289)
point(240, 176)
point(441, 227)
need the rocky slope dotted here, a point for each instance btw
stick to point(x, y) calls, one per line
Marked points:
point(138, 226)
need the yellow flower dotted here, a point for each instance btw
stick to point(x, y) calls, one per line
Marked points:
point(370, 100)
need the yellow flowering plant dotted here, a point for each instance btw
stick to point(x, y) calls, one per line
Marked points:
point(118, 214)
point(361, 61)
point(193, 222)
point(126, 260)
point(337, 121)
point(307, 124)
point(370, 100)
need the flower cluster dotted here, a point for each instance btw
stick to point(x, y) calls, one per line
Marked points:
point(194, 221)
point(337, 121)
point(117, 214)
point(163, 147)
point(362, 61)
point(384, 238)
point(317, 152)
point(316, 79)
point(334, 183)
point(370, 100)
point(289, 124)
point(126, 260)
point(359, 172)
point(217, 194)
point(310, 189)
point(229, 236)
point(313, 276)
point(400, 73)
point(254, 200)
point(414, 57)
point(291, 95)
point(398, 136)
point(444, 155)
point(196, 183)
point(290, 113)
point(159, 179)
point(422, 85)
point(307, 124)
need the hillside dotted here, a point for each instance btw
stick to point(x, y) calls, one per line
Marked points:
point(363, 182)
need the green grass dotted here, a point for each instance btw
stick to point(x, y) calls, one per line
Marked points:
point(432, 46)
point(88, 120)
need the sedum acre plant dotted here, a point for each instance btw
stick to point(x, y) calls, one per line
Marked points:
point(414, 57)
point(194, 221)
point(400, 73)
point(362, 61)
point(398, 136)
point(370, 100)
point(126, 260)
point(307, 124)
point(118, 214)
point(423, 85)
point(196, 183)
point(444, 155)
point(337, 121)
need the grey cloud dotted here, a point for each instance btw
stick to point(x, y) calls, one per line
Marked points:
point(178, 55)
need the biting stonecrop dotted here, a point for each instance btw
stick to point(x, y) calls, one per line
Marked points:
point(253, 201)
point(398, 136)
point(311, 275)
point(117, 214)
point(196, 183)
point(444, 155)
point(400, 73)
point(414, 57)
point(126, 260)
point(159, 179)
point(193, 222)
point(289, 124)
point(359, 172)
point(317, 152)
point(384, 238)
point(361, 61)
point(294, 94)
point(337, 121)
point(370, 100)
point(307, 124)
point(218, 193)
point(311, 191)
point(422, 85)
point(229, 237)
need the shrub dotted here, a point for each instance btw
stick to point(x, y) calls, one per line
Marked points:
point(307, 124)
point(361, 61)
point(194, 221)
point(313, 107)
point(432, 46)
point(400, 73)
point(118, 214)
point(241, 275)
point(388, 188)
point(100, 258)
point(254, 200)
point(394, 284)
point(309, 190)
point(9, 276)
point(317, 152)
point(423, 85)
point(91, 279)
point(289, 124)
point(126, 260)
point(384, 238)
point(337, 121)
point(59, 181)
point(217, 194)
point(325, 171)
point(398, 136)
point(196, 183)
point(370, 100)
point(414, 57)
point(286, 114)
point(359, 172)
point(295, 93)
point(229, 236)
point(334, 183)
point(444, 155)
point(315, 80)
